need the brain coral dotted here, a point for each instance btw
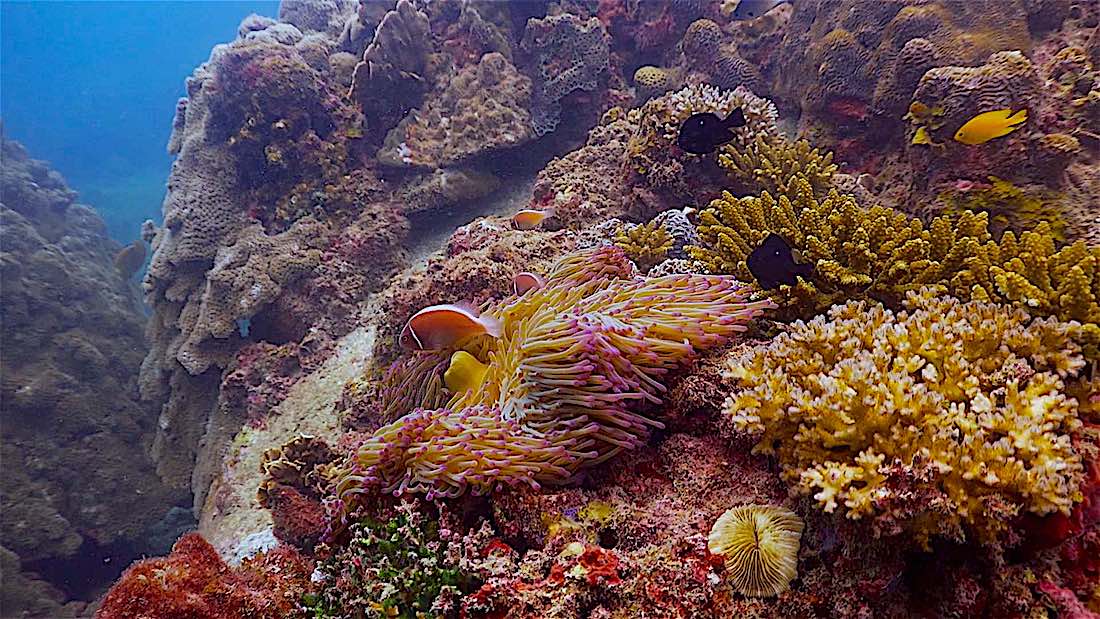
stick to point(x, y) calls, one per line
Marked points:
point(484, 107)
point(857, 47)
point(569, 54)
point(575, 362)
point(946, 417)
point(701, 42)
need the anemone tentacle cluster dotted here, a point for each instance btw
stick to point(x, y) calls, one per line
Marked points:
point(567, 380)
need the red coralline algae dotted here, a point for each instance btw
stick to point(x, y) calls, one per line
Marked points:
point(194, 583)
point(298, 520)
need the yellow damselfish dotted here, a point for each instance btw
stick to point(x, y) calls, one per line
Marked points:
point(464, 373)
point(988, 125)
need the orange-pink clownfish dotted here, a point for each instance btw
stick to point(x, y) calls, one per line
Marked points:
point(529, 219)
point(525, 281)
point(441, 326)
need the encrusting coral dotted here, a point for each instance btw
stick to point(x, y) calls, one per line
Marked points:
point(574, 361)
point(945, 418)
point(759, 544)
point(569, 54)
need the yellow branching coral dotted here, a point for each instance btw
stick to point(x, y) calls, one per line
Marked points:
point(645, 244)
point(881, 253)
point(565, 384)
point(926, 420)
point(772, 163)
point(759, 544)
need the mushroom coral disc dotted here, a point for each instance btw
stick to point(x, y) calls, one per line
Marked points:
point(760, 546)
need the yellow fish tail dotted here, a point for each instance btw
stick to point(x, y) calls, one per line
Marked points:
point(1017, 118)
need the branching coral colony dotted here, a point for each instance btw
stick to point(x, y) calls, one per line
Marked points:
point(566, 378)
point(944, 418)
point(881, 253)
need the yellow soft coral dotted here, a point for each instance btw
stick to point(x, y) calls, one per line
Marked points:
point(945, 415)
point(645, 244)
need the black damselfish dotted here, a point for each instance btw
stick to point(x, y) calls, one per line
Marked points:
point(703, 133)
point(773, 263)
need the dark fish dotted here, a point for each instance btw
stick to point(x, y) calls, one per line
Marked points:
point(751, 9)
point(773, 264)
point(130, 259)
point(703, 133)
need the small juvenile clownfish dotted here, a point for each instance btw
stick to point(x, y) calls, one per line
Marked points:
point(440, 326)
point(464, 373)
point(525, 281)
point(529, 219)
point(988, 125)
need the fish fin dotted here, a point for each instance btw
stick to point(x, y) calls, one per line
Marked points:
point(736, 119)
point(492, 325)
point(549, 211)
point(1018, 117)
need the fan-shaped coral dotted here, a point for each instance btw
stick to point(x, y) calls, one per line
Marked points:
point(945, 415)
point(574, 362)
point(760, 546)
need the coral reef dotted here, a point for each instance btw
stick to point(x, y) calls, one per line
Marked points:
point(398, 568)
point(483, 108)
point(574, 361)
point(77, 474)
point(943, 419)
point(866, 58)
point(666, 177)
point(568, 54)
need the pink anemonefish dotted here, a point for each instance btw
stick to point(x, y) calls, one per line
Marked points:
point(523, 282)
point(440, 326)
point(529, 219)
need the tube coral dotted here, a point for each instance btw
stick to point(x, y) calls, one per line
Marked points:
point(926, 420)
point(645, 244)
point(574, 362)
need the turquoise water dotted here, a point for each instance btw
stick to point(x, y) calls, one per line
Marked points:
point(92, 86)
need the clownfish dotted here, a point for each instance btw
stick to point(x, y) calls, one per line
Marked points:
point(464, 373)
point(525, 281)
point(529, 219)
point(440, 326)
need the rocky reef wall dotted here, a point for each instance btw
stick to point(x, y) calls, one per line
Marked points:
point(79, 483)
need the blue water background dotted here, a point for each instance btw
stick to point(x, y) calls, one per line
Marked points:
point(92, 87)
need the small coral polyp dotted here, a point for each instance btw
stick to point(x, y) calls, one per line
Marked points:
point(944, 419)
point(574, 364)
